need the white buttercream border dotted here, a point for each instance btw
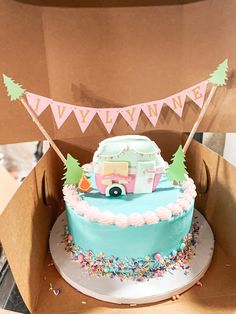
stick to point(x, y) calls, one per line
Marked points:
point(93, 213)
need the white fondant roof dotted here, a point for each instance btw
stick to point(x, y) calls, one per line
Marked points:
point(137, 143)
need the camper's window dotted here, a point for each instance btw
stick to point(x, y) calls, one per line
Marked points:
point(117, 168)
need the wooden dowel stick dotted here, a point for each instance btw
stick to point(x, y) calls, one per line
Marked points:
point(202, 113)
point(44, 132)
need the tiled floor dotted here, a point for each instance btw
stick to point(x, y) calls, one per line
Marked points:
point(19, 159)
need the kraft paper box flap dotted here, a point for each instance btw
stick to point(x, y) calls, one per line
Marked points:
point(25, 225)
point(26, 222)
point(216, 193)
point(66, 53)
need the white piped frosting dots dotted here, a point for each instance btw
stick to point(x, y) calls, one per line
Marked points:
point(81, 207)
point(121, 221)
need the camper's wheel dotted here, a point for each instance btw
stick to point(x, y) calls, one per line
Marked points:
point(115, 191)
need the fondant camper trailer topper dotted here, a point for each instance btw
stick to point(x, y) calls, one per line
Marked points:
point(127, 164)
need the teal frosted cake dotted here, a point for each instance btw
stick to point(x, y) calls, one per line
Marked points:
point(134, 223)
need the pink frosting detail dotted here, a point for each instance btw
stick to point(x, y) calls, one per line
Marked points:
point(75, 205)
point(185, 184)
point(183, 203)
point(67, 189)
point(92, 213)
point(190, 190)
point(163, 213)
point(188, 184)
point(106, 218)
point(157, 257)
point(175, 209)
point(80, 258)
point(72, 197)
point(88, 167)
point(70, 193)
point(150, 218)
point(136, 219)
point(191, 181)
point(81, 207)
point(121, 221)
point(187, 197)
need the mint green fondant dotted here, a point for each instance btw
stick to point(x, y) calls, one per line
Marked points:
point(163, 237)
point(130, 148)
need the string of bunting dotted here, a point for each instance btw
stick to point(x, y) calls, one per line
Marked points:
point(84, 115)
point(36, 104)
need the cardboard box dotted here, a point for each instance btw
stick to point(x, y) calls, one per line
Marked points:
point(115, 55)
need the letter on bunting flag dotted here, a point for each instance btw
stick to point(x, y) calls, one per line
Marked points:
point(61, 112)
point(176, 102)
point(108, 117)
point(152, 111)
point(37, 103)
point(84, 116)
point(131, 115)
point(197, 93)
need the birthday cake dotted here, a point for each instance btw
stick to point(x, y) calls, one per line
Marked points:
point(135, 222)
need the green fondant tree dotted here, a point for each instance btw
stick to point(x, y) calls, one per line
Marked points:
point(73, 172)
point(219, 76)
point(177, 169)
point(14, 90)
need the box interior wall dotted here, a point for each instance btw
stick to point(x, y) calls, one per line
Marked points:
point(115, 55)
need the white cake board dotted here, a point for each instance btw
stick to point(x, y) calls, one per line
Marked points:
point(131, 292)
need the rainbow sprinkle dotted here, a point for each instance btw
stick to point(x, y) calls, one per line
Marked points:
point(138, 269)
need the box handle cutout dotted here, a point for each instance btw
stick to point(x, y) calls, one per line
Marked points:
point(205, 179)
point(44, 187)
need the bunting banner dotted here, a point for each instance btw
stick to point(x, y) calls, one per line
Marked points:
point(197, 92)
point(37, 103)
point(176, 102)
point(152, 110)
point(108, 116)
point(84, 116)
point(131, 114)
point(61, 112)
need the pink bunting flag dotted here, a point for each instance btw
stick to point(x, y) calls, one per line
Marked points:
point(37, 103)
point(108, 117)
point(61, 112)
point(152, 111)
point(84, 116)
point(131, 115)
point(176, 102)
point(197, 93)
